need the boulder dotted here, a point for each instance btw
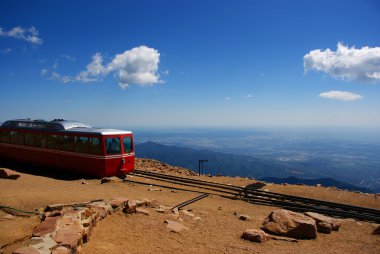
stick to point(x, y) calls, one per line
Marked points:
point(9, 174)
point(335, 223)
point(255, 235)
point(290, 224)
point(175, 226)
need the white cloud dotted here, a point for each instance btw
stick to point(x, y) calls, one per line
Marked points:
point(227, 98)
point(340, 95)
point(27, 34)
point(94, 70)
point(248, 96)
point(55, 76)
point(137, 66)
point(69, 58)
point(350, 64)
point(6, 51)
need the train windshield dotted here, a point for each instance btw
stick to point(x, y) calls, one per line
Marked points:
point(113, 145)
point(127, 143)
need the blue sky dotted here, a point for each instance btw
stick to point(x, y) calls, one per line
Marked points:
point(192, 63)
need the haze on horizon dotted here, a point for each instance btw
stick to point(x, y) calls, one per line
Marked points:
point(192, 64)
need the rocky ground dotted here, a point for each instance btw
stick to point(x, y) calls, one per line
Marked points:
point(211, 225)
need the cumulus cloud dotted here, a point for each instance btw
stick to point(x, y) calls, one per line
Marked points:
point(340, 95)
point(27, 34)
point(350, 64)
point(137, 66)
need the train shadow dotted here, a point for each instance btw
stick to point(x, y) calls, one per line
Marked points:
point(44, 171)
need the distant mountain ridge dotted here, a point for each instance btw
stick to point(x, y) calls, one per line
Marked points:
point(232, 165)
point(326, 182)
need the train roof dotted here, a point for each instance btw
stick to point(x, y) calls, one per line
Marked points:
point(60, 125)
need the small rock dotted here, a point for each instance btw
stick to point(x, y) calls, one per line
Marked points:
point(152, 203)
point(244, 217)
point(26, 250)
point(255, 235)
point(154, 189)
point(197, 218)
point(112, 179)
point(118, 202)
point(61, 250)
point(140, 203)
point(376, 231)
point(324, 227)
point(9, 174)
point(175, 211)
point(84, 182)
point(175, 226)
point(130, 207)
point(187, 213)
point(8, 216)
point(140, 210)
point(46, 226)
point(219, 208)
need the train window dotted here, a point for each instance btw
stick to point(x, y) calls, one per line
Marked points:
point(5, 137)
point(53, 141)
point(81, 144)
point(67, 143)
point(29, 139)
point(127, 143)
point(113, 146)
point(95, 145)
point(17, 137)
point(43, 140)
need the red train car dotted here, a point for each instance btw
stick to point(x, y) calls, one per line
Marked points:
point(68, 145)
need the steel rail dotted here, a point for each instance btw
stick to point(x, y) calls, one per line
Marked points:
point(277, 199)
point(270, 194)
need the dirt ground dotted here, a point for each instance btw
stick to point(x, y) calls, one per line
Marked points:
point(218, 230)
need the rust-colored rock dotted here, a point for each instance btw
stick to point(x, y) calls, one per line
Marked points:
point(9, 174)
point(376, 231)
point(152, 203)
point(255, 235)
point(61, 250)
point(244, 217)
point(324, 227)
point(47, 226)
point(26, 250)
point(334, 223)
point(140, 210)
point(130, 207)
point(118, 202)
point(175, 226)
point(290, 224)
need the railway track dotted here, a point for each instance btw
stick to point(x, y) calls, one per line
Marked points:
point(295, 203)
